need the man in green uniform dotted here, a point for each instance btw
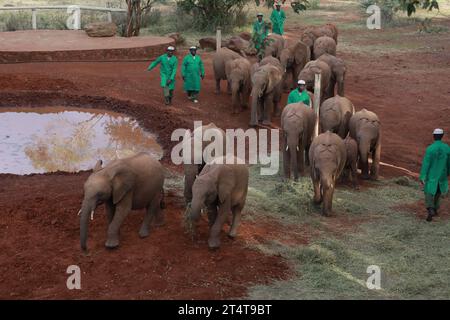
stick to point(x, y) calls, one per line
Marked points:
point(434, 173)
point(168, 71)
point(300, 94)
point(278, 17)
point(192, 70)
point(260, 33)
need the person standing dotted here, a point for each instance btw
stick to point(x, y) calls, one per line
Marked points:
point(300, 94)
point(168, 71)
point(260, 33)
point(278, 18)
point(434, 173)
point(193, 71)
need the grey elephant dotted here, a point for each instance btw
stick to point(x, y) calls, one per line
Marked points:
point(310, 34)
point(297, 124)
point(309, 72)
point(266, 90)
point(241, 45)
point(335, 114)
point(222, 188)
point(338, 70)
point(220, 58)
point(123, 185)
point(193, 169)
point(274, 45)
point(238, 73)
point(327, 157)
point(323, 45)
point(351, 165)
point(365, 128)
point(279, 89)
point(293, 59)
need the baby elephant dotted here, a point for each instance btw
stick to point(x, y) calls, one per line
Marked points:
point(221, 187)
point(327, 156)
point(123, 185)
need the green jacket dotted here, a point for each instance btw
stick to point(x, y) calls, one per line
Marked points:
point(260, 33)
point(168, 69)
point(191, 70)
point(436, 168)
point(295, 96)
point(278, 18)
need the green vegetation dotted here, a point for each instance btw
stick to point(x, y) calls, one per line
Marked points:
point(414, 259)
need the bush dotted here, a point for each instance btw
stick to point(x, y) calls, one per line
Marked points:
point(14, 21)
point(151, 18)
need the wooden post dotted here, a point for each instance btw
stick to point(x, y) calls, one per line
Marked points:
point(109, 16)
point(317, 86)
point(33, 19)
point(218, 39)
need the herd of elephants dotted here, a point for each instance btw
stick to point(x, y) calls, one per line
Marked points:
point(347, 139)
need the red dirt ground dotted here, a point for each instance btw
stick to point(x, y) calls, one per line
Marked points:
point(39, 228)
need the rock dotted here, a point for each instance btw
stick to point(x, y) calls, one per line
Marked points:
point(177, 37)
point(101, 29)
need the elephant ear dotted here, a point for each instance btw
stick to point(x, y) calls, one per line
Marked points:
point(225, 183)
point(275, 76)
point(302, 53)
point(123, 180)
point(98, 166)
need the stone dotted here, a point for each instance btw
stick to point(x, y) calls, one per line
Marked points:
point(101, 29)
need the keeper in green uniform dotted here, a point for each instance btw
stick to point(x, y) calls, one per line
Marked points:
point(278, 18)
point(168, 71)
point(260, 32)
point(300, 94)
point(192, 71)
point(434, 173)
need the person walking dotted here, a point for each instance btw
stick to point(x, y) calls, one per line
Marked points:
point(193, 71)
point(434, 173)
point(278, 18)
point(260, 33)
point(300, 94)
point(168, 71)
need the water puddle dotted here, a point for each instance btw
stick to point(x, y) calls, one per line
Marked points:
point(39, 140)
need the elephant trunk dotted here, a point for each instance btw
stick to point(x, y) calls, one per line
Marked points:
point(86, 211)
point(235, 86)
point(255, 101)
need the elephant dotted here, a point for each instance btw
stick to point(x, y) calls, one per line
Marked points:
point(323, 45)
point(279, 89)
point(309, 72)
point(238, 73)
point(310, 35)
point(327, 157)
point(338, 71)
point(222, 188)
point(210, 43)
point(365, 128)
point(297, 124)
point(245, 35)
point(274, 45)
point(351, 147)
point(241, 45)
point(220, 58)
point(293, 59)
point(192, 169)
point(267, 86)
point(335, 114)
point(123, 185)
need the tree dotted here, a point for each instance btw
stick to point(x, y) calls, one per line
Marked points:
point(410, 5)
point(135, 11)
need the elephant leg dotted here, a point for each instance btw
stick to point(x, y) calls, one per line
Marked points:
point(327, 206)
point(217, 86)
point(286, 162)
point(354, 175)
point(376, 162)
point(212, 214)
point(123, 208)
point(261, 103)
point(228, 87)
point(317, 191)
point(307, 146)
point(110, 210)
point(214, 236)
point(301, 158)
point(237, 214)
point(268, 109)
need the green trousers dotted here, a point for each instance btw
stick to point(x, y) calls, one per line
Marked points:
point(433, 201)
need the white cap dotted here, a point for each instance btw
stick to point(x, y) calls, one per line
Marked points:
point(193, 48)
point(301, 82)
point(170, 48)
point(259, 14)
point(438, 131)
